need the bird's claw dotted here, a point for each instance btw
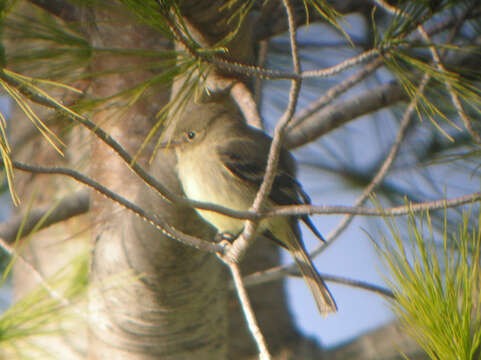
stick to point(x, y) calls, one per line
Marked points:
point(224, 236)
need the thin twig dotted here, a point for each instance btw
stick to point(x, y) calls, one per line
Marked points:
point(12, 226)
point(39, 277)
point(261, 60)
point(452, 93)
point(242, 243)
point(298, 210)
point(383, 170)
point(335, 91)
point(258, 71)
point(123, 154)
point(270, 74)
point(248, 311)
point(159, 224)
point(437, 61)
point(279, 272)
point(346, 64)
point(54, 294)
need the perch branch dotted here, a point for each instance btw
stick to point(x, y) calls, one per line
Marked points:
point(159, 224)
point(242, 243)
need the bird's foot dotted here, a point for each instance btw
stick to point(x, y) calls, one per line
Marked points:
point(224, 239)
point(224, 236)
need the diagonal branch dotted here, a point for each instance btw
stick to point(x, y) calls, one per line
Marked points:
point(242, 243)
point(383, 170)
point(335, 91)
point(334, 116)
point(279, 272)
point(121, 152)
point(452, 93)
point(297, 210)
point(159, 224)
point(54, 294)
point(248, 310)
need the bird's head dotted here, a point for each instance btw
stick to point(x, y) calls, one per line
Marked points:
point(193, 131)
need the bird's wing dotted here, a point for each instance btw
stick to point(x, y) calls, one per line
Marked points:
point(246, 159)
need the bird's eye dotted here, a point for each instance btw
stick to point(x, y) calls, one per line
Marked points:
point(191, 135)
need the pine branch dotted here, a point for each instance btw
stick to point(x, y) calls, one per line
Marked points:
point(243, 242)
point(159, 224)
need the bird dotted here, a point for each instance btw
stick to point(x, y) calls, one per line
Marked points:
point(222, 160)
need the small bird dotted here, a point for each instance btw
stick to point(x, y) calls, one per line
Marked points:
point(222, 161)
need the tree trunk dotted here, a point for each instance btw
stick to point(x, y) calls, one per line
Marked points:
point(151, 297)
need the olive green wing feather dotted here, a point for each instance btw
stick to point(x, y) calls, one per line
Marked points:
point(246, 159)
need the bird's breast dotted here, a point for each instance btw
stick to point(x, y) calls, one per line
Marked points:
point(204, 178)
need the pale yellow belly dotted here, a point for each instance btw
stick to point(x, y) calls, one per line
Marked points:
point(210, 182)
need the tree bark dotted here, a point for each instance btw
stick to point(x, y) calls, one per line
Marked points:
point(151, 297)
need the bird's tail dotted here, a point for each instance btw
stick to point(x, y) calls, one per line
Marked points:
point(324, 300)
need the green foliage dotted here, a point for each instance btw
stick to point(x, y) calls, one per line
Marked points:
point(409, 57)
point(17, 86)
point(438, 288)
point(39, 311)
point(152, 13)
point(326, 11)
point(241, 9)
point(46, 46)
point(5, 152)
point(194, 74)
point(55, 50)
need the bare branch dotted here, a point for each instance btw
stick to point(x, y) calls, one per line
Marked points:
point(383, 170)
point(77, 204)
point(242, 243)
point(271, 21)
point(247, 309)
point(70, 206)
point(334, 116)
point(279, 272)
point(124, 155)
point(297, 210)
point(346, 64)
point(257, 71)
point(159, 224)
point(261, 60)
